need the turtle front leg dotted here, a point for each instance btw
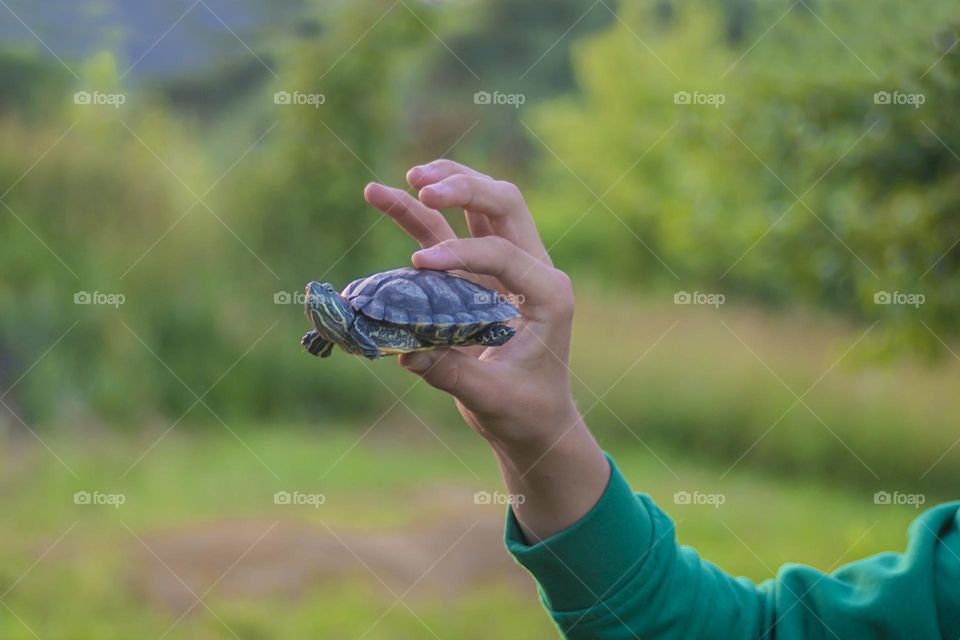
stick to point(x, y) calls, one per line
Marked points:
point(316, 345)
point(362, 334)
point(364, 346)
point(368, 349)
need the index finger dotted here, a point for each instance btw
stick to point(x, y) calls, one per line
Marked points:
point(501, 203)
point(424, 174)
point(520, 272)
point(425, 225)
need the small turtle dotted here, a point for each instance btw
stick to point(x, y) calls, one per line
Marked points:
point(405, 310)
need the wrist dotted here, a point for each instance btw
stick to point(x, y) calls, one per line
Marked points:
point(522, 437)
point(557, 481)
point(542, 451)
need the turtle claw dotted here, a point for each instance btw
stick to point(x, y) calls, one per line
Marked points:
point(315, 345)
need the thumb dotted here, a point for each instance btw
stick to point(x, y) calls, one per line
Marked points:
point(464, 377)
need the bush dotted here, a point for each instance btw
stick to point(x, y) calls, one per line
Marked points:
point(782, 179)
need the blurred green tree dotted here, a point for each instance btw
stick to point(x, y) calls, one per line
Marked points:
point(750, 169)
point(510, 46)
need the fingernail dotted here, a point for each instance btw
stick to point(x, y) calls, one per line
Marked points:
point(415, 174)
point(437, 189)
point(436, 257)
point(417, 362)
point(430, 252)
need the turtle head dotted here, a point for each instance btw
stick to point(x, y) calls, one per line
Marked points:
point(331, 315)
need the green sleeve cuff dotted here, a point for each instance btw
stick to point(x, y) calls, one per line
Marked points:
point(593, 558)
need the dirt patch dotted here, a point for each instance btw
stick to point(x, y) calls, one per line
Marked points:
point(262, 558)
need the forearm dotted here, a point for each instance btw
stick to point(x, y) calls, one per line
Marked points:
point(618, 572)
point(556, 479)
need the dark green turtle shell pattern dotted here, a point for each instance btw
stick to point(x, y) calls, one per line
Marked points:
point(423, 297)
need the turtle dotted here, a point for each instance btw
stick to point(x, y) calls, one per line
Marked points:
point(405, 310)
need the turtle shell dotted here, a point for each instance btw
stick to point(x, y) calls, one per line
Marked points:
point(422, 297)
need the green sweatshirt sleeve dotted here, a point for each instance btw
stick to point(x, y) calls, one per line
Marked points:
point(619, 573)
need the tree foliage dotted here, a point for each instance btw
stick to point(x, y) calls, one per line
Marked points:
point(799, 183)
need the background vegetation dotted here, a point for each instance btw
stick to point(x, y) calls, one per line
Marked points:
point(789, 185)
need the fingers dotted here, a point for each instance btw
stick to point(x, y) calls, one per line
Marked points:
point(422, 175)
point(444, 184)
point(427, 226)
point(479, 225)
point(537, 284)
point(495, 199)
point(468, 379)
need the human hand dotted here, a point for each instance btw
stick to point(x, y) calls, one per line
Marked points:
point(519, 392)
point(517, 395)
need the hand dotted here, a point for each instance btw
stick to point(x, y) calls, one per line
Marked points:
point(519, 392)
point(518, 395)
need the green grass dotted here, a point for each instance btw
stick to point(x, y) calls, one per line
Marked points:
point(725, 383)
point(91, 583)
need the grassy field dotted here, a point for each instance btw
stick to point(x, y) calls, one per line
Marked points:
point(398, 519)
point(789, 420)
point(793, 393)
